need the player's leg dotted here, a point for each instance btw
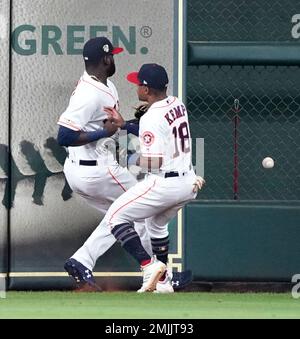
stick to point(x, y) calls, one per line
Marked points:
point(126, 179)
point(149, 198)
point(153, 197)
point(100, 192)
point(144, 200)
point(112, 183)
point(115, 181)
point(121, 215)
point(97, 187)
point(159, 235)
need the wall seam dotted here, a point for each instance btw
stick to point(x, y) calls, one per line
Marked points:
point(9, 179)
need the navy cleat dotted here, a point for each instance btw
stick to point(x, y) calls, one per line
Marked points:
point(180, 280)
point(82, 275)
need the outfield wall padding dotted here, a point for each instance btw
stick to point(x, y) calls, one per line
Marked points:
point(242, 241)
point(4, 129)
point(242, 53)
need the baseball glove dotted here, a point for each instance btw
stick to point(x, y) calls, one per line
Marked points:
point(138, 113)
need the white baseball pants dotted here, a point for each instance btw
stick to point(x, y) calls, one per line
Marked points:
point(100, 186)
point(156, 199)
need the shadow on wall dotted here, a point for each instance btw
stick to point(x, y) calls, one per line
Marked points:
point(37, 164)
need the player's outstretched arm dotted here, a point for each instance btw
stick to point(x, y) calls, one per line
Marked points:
point(131, 126)
point(68, 137)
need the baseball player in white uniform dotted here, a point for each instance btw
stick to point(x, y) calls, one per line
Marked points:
point(171, 182)
point(90, 168)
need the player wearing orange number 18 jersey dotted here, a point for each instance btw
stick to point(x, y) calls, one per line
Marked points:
point(170, 181)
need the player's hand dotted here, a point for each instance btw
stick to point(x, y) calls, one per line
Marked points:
point(198, 184)
point(114, 116)
point(110, 127)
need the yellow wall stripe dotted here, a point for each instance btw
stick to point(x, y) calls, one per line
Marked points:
point(63, 274)
point(178, 255)
point(180, 49)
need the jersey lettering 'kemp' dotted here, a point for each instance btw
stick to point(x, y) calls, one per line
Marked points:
point(175, 113)
point(175, 127)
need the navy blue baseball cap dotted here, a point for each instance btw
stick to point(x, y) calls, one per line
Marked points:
point(151, 75)
point(96, 48)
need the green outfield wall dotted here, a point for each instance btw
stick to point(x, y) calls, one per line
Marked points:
point(242, 241)
point(245, 225)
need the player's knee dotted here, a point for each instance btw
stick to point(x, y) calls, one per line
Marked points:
point(158, 232)
point(114, 221)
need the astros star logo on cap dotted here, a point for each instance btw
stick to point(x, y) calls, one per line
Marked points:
point(105, 48)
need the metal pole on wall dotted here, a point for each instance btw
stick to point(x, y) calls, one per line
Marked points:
point(236, 109)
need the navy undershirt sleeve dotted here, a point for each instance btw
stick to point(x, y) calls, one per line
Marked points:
point(132, 128)
point(67, 137)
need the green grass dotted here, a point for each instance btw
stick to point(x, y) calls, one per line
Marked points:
point(120, 305)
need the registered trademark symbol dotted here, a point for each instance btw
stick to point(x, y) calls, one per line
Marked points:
point(146, 31)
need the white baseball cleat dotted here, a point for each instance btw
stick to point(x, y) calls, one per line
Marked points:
point(151, 275)
point(165, 286)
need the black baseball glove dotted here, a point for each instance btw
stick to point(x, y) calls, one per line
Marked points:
point(141, 110)
point(138, 113)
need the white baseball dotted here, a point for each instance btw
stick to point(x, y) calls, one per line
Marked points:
point(268, 162)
